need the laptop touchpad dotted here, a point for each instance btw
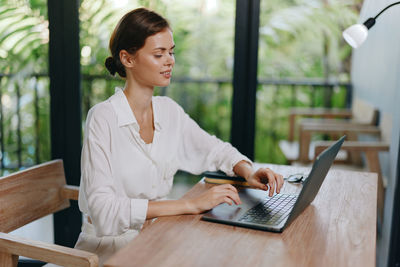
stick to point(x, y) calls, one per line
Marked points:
point(249, 198)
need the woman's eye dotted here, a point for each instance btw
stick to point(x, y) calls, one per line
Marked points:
point(171, 53)
point(158, 56)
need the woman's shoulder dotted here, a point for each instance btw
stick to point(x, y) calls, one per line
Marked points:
point(102, 107)
point(101, 111)
point(106, 107)
point(165, 102)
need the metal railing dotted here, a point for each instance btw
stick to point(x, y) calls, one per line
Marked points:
point(20, 120)
point(274, 100)
point(25, 118)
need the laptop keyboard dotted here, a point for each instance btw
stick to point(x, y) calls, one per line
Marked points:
point(271, 211)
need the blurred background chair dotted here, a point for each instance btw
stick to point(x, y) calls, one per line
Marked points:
point(26, 196)
point(330, 123)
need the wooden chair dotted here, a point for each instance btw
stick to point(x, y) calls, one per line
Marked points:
point(352, 132)
point(322, 113)
point(362, 114)
point(26, 196)
point(371, 150)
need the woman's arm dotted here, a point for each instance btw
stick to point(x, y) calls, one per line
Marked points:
point(110, 211)
point(263, 178)
point(243, 169)
point(216, 195)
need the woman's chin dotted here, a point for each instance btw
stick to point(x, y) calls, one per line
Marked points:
point(163, 83)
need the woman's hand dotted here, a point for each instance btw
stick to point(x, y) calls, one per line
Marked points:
point(264, 178)
point(260, 179)
point(216, 195)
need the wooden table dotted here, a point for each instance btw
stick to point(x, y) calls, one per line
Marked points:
point(337, 229)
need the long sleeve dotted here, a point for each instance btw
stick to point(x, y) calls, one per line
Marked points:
point(110, 210)
point(199, 151)
point(120, 173)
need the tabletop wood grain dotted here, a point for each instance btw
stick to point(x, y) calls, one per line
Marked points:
point(337, 229)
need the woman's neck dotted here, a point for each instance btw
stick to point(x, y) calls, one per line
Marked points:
point(139, 99)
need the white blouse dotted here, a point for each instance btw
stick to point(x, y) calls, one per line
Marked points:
point(120, 173)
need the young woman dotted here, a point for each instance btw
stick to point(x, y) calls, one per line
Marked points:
point(135, 142)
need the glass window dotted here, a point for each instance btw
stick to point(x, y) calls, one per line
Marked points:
point(204, 37)
point(303, 62)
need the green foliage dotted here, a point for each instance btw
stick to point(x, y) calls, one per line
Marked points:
point(298, 39)
point(196, 57)
point(23, 37)
point(23, 51)
point(97, 20)
point(272, 112)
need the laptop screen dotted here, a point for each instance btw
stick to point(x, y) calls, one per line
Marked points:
point(314, 181)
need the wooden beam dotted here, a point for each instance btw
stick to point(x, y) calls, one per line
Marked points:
point(8, 259)
point(65, 107)
point(245, 76)
point(64, 256)
point(70, 192)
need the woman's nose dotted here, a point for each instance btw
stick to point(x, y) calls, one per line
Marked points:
point(170, 60)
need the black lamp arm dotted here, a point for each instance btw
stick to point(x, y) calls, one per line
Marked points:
point(395, 3)
point(371, 21)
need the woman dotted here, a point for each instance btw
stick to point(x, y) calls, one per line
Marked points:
point(135, 142)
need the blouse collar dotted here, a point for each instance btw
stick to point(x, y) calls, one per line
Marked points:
point(125, 114)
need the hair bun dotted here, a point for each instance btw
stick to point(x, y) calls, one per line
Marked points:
point(111, 65)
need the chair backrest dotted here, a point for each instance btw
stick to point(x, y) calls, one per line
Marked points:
point(364, 112)
point(386, 126)
point(30, 194)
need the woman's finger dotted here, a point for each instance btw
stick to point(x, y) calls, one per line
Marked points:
point(280, 183)
point(271, 182)
point(234, 196)
point(231, 187)
point(223, 187)
point(222, 191)
point(260, 185)
point(228, 201)
point(261, 179)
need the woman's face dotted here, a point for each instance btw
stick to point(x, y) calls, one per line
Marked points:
point(153, 63)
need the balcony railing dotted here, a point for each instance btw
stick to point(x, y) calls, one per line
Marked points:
point(25, 118)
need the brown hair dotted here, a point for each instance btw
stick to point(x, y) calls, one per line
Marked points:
point(130, 34)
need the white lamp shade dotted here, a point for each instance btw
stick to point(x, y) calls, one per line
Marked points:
point(355, 35)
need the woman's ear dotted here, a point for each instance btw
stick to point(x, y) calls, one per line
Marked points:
point(126, 59)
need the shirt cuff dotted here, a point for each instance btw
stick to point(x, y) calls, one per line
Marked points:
point(138, 212)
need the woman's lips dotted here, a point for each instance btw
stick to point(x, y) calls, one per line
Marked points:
point(167, 74)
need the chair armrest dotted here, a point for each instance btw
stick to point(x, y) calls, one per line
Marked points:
point(315, 112)
point(336, 122)
point(340, 128)
point(56, 254)
point(307, 130)
point(70, 192)
point(360, 146)
point(357, 145)
point(322, 112)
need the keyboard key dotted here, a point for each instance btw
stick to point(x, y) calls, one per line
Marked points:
point(271, 211)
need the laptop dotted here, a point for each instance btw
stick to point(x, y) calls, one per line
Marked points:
point(259, 211)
